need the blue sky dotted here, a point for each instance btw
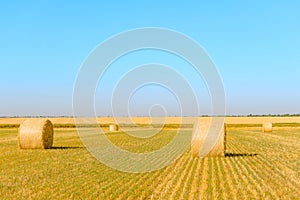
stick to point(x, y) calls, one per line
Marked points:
point(254, 44)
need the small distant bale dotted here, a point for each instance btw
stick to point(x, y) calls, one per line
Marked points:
point(267, 127)
point(199, 138)
point(35, 134)
point(113, 127)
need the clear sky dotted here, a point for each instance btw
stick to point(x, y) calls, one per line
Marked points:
point(254, 44)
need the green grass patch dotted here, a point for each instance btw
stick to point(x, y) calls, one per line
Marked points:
point(286, 124)
point(9, 125)
point(242, 125)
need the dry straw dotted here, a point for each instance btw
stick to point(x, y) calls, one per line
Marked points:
point(35, 134)
point(267, 127)
point(200, 135)
point(113, 127)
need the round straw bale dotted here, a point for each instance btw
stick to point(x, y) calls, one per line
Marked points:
point(113, 127)
point(200, 136)
point(267, 127)
point(35, 134)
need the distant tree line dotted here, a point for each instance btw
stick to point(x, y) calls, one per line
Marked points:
point(249, 115)
point(274, 115)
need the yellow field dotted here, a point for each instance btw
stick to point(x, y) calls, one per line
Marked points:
point(169, 120)
point(257, 165)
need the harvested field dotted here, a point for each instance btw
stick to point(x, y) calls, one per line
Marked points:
point(169, 120)
point(256, 165)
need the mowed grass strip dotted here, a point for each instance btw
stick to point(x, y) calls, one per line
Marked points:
point(257, 165)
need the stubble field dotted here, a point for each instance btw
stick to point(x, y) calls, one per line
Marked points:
point(257, 166)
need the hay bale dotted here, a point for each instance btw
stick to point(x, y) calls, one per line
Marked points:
point(267, 127)
point(113, 127)
point(35, 134)
point(200, 135)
